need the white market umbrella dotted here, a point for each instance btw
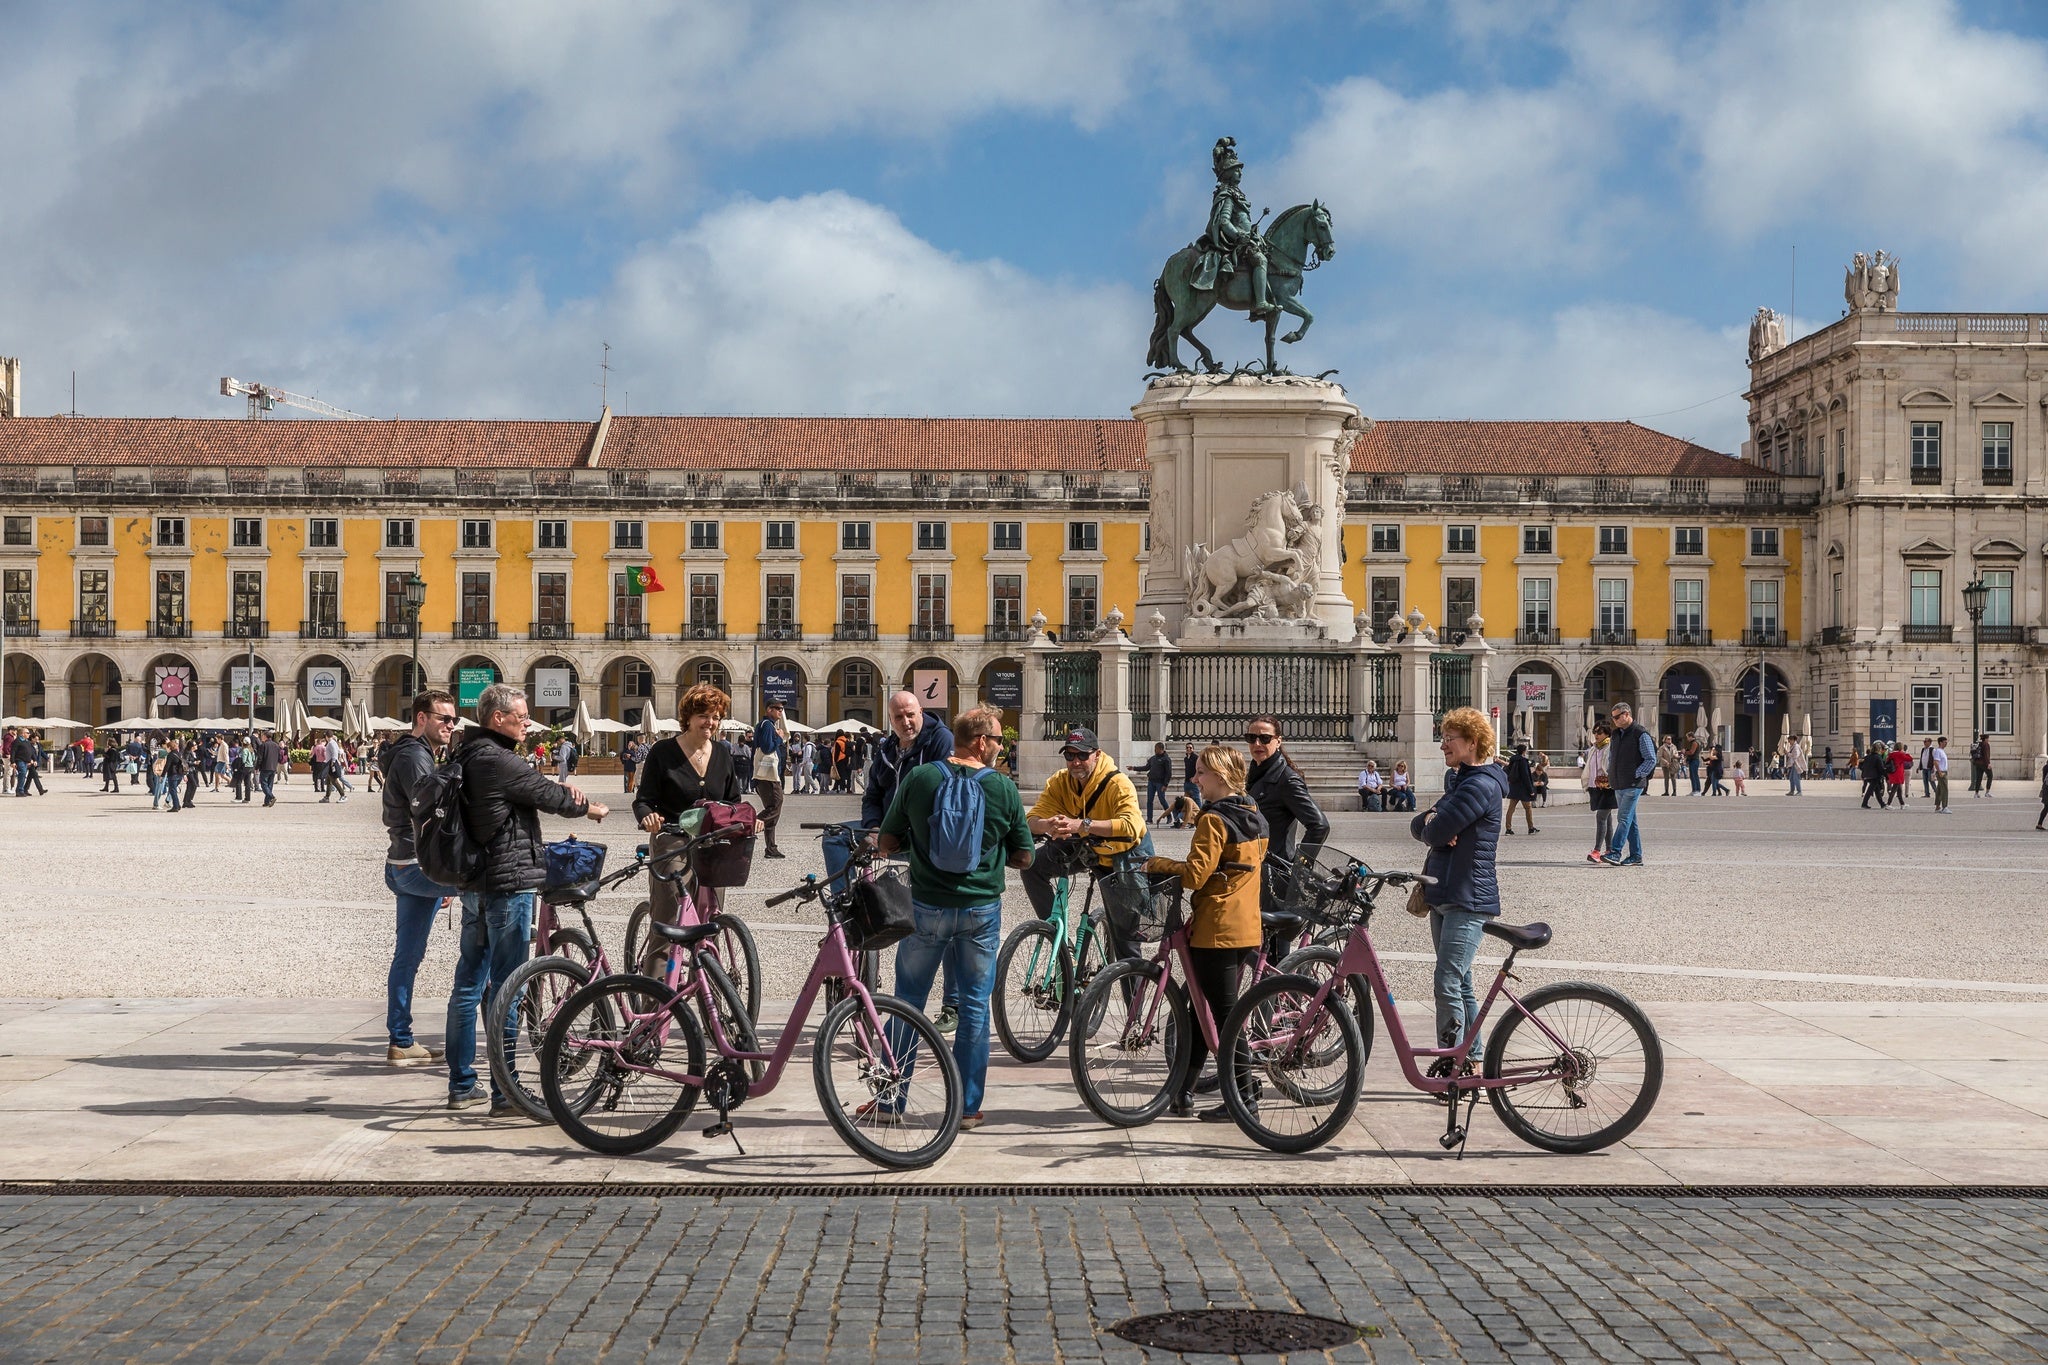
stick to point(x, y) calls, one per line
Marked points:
point(797, 727)
point(847, 727)
point(582, 725)
point(1806, 728)
point(45, 722)
point(734, 727)
point(601, 725)
point(382, 723)
point(322, 723)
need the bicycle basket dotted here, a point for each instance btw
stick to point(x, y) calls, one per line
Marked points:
point(878, 911)
point(1312, 887)
point(722, 861)
point(571, 863)
point(1149, 910)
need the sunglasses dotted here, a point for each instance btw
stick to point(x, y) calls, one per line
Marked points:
point(1251, 738)
point(1071, 754)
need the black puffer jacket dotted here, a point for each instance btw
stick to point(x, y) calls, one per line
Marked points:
point(1463, 839)
point(1282, 797)
point(501, 802)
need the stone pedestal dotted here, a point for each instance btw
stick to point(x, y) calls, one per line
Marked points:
point(1216, 445)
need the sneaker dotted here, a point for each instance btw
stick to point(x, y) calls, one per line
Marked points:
point(412, 1054)
point(1595, 856)
point(467, 1099)
point(874, 1112)
point(948, 1020)
point(776, 853)
point(970, 1122)
point(1630, 862)
point(1610, 860)
point(505, 1109)
point(1181, 1106)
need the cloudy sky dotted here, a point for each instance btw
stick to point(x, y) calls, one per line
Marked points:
point(1541, 209)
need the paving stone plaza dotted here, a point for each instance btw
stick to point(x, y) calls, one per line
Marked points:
point(207, 1158)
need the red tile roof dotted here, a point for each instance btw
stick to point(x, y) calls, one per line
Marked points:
point(827, 443)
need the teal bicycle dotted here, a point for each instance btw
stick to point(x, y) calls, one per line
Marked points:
point(1044, 966)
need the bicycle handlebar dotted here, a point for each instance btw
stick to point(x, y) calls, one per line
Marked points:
point(807, 889)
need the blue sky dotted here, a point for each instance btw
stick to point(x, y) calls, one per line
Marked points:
point(1541, 209)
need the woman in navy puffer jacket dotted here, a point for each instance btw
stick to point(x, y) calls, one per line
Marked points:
point(1463, 831)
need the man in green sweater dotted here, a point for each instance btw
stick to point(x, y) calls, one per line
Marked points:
point(959, 914)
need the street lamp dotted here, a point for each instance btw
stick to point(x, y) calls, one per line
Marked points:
point(1975, 594)
point(415, 598)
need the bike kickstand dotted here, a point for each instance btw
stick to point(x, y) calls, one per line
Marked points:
point(724, 1128)
point(1465, 1134)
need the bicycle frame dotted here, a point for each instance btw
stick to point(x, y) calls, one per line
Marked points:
point(1078, 930)
point(1175, 947)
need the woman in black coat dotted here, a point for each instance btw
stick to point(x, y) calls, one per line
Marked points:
point(1278, 789)
point(1521, 791)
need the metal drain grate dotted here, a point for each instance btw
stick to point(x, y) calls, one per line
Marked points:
point(1236, 1332)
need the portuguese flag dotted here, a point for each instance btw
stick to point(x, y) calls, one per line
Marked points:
point(642, 581)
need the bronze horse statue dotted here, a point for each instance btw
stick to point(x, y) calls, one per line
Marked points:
point(1297, 243)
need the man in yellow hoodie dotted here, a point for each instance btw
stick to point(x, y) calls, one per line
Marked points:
point(1092, 796)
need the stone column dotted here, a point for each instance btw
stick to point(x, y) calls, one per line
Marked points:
point(1162, 651)
point(1363, 650)
point(133, 707)
point(816, 698)
point(1417, 726)
point(1036, 756)
point(1113, 689)
point(1482, 660)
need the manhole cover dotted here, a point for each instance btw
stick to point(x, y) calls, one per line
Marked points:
point(1236, 1331)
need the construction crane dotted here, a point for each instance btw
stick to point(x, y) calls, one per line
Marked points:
point(262, 398)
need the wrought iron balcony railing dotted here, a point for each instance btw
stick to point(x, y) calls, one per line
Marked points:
point(703, 630)
point(1764, 637)
point(627, 630)
point(160, 629)
point(323, 630)
point(853, 630)
point(474, 630)
point(780, 630)
point(1613, 637)
point(395, 630)
point(551, 630)
point(1536, 635)
point(245, 630)
point(939, 633)
point(97, 628)
point(26, 627)
point(1927, 635)
point(1689, 639)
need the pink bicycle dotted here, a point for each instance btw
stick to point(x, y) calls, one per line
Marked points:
point(1572, 1067)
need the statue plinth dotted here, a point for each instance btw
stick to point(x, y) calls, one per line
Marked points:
point(1248, 507)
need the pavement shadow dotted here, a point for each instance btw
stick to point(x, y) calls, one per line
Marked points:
point(375, 1116)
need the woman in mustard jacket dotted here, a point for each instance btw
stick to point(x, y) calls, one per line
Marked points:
point(1221, 874)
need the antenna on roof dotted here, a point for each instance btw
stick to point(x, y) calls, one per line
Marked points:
point(74, 395)
point(604, 378)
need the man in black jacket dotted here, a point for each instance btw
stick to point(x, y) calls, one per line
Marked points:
point(270, 756)
point(502, 798)
point(404, 765)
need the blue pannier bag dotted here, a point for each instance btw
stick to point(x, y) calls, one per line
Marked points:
point(571, 862)
point(959, 814)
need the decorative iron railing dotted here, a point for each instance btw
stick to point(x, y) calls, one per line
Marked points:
point(1214, 695)
point(1072, 691)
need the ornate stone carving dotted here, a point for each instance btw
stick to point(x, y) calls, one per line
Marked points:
point(1871, 284)
point(1270, 572)
point(1766, 334)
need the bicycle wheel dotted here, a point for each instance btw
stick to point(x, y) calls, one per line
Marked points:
point(736, 953)
point(892, 1107)
point(1593, 1091)
point(629, 1025)
point(636, 933)
point(1091, 953)
point(574, 945)
point(1281, 1096)
point(733, 1019)
point(525, 1005)
point(1034, 989)
point(1125, 1043)
point(1319, 964)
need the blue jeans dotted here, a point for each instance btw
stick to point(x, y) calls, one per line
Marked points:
point(1793, 778)
point(1692, 770)
point(965, 940)
point(497, 928)
point(1625, 828)
point(156, 790)
point(268, 781)
point(418, 897)
point(172, 786)
point(838, 851)
point(1155, 791)
point(1455, 933)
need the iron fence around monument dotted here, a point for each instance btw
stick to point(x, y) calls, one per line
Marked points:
point(1383, 702)
point(1140, 696)
point(1072, 692)
point(1214, 695)
point(1450, 686)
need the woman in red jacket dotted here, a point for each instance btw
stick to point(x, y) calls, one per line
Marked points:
point(1900, 763)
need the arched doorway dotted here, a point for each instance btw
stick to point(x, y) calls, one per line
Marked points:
point(1685, 701)
point(393, 686)
point(705, 670)
point(324, 686)
point(1776, 701)
point(470, 676)
point(172, 683)
point(95, 682)
point(783, 680)
point(552, 691)
point(626, 686)
point(852, 692)
point(1532, 715)
point(936, 684)
point(1606, 684)
point(1001, 685)
point(21, 688)
point(234, 695)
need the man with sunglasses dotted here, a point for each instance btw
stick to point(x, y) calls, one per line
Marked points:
point(405, 764)
point(1090, 797)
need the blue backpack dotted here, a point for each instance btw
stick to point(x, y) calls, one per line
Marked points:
point(959, 811)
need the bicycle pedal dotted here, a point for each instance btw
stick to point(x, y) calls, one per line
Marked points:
point(1454, 1137)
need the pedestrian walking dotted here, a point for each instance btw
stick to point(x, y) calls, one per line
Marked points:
point(406, 764)
point(270, 756)
point(110, 767)
point(1925, 763)
point(502, 800)
point(1668, 760)
point(1593, 765)
point(1632, 758)
point(1158, 778)
point(1795, 768)
point(1221, 876)
point(630, 754)
point(337, 771)
point(1715, 769)
point(2043, 816)
point(1741, 775)
point(1982, 756)
point(192, 761)
point(1462, 831)
point(1521, 791)
point(959, 913)
point(770, 744)
point(1938, 761)
point(171, 773)
point(1872, 771)
point(1898, 764)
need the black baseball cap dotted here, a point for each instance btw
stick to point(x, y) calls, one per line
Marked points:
point(1082, 739)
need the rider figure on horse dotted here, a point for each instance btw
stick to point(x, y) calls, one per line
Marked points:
point(1232, 241)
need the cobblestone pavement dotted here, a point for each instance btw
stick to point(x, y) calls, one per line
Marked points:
point(991, 1279)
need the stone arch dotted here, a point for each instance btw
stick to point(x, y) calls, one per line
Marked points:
point(24, 686)
point(1606, 683)
point(1547, 728)
point(704, 668)
point(95, 684)
point(1674, 711)
point(856, 690)
point(625, 688)
point(553, 713)
point(393, 684)
point(329, 709)
point(792, 697)
point(1777, 701)
point(266, 688)
point(173, 683)
point(945, 700)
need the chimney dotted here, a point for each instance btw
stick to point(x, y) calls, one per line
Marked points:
point(10, 386)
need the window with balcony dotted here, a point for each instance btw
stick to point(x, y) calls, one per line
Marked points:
point(1997, 438)
point(856, 535)
point(931, 535)
point(1535, 540)
point(1384, 593)
point(476, 534)
point(93, 602)
point(400, 533)
point(17, 601)
point(1763, 611)
point(932, 623)
point(92, 531)
point(551, 535)
point(397, 615)
point(1834, 709)
point(1082, 601)
point(1461, 540)
point(1998, 709)
point(1763, 542)
point(1006, 602)
point(1006, 536)
point(1998, 598)
point(1688, 610)
point(1611, 618)
point(704, 535)
point(629, 620)
point(1835, 599)
point(323, 533)
point(629, 535)
point(1084, 537)
point(778, 611)
point(551, 606)
point(323, 605)
point(478, 622)
point(246, 602)
point(856, 602)
point(170, 618)
point(170, 533)
point(1386, 538)
point(247, 533)
point(1613, 540)
point(1798, 468)
point(1688, 540)
point(704, 614)
point(1537, 622)
point(1926, 452)
point(1925, 709)
point(1461, 602)
point(1924, 607)
point(780, 535)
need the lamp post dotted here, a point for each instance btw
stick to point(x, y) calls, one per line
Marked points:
point(415, 598)
point(1975, 594)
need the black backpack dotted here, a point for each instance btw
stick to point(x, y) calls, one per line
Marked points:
point(441, 837)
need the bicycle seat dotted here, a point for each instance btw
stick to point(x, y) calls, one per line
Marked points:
point(1519, 936)
point(1288, 925)
point(684, 935)
point(567, 895)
